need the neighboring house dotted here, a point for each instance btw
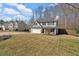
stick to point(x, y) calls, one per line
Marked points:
point(3, 27)
point(45, 26)
point(9, 26)
point(13, 25)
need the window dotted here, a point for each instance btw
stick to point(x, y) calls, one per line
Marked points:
point(35, 24)
point(51, 23)
point(43, 23)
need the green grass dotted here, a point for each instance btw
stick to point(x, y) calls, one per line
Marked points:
point(32, 44)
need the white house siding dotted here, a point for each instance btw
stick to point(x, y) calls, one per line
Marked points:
point(37, 31)
point(15, 25)
point(10, 26)
point(3, 27)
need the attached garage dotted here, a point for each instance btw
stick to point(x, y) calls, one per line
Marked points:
point(35, 30)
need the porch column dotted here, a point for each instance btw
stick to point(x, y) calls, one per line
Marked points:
point(55, 31)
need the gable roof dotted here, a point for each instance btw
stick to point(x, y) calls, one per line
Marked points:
point(34, 22)
point(45, 20)
point(41, 20)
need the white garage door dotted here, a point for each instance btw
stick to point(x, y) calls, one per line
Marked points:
point(36, 31)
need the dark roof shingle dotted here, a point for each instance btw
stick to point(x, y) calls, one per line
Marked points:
point(45, 20)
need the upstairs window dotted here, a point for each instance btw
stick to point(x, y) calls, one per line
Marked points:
point(35, 24)
point(51, 23)
point(43, 23)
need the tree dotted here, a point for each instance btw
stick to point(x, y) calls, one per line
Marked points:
point(1, 22)
point(21, 25)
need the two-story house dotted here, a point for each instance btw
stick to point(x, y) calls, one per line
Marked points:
point(9, 26)
point(14, 25)
point(45, 26)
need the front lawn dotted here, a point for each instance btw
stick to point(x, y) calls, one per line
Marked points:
point(33, 44)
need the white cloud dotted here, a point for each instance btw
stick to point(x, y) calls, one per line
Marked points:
point(23, 9)
point(1, 7)
point(53, 4)
point(20, 17)
point(12, 4)
point(0, 4)
point(26, 12)
point(11, 11)
point(44, 9)
point(6, 18)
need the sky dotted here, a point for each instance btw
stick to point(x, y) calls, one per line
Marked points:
point(9, 11)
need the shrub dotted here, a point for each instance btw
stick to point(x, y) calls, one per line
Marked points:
point(77, 31)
